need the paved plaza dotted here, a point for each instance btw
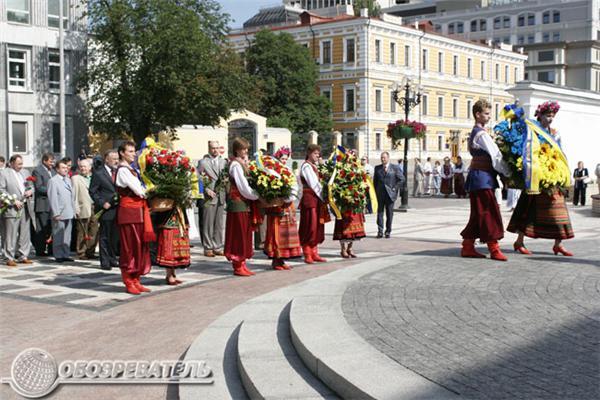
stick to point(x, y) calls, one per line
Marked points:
point(408, 308)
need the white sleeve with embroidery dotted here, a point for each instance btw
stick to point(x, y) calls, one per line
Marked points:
point(237, 173)
point(312, 179)
point(485, 142)
point(126, 179)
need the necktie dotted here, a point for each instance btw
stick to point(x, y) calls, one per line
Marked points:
point(385, 169)
point(113, 172)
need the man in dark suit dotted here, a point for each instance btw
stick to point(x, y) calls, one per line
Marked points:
point(103, 192)
point(42, 173)
point(579, 175)
point(387, 178)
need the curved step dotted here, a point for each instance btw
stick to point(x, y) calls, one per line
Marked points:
point(268, 364)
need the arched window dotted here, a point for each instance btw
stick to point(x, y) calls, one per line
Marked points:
point(526, 19)
point(456, 27)
point(551, 17)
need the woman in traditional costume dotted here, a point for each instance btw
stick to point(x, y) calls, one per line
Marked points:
point(282, 241)
point(173, 242)
point(543, 215)
point(447, 176)
point(239, 223)
point(135, 225)
point(348, 229)
point(459, 178)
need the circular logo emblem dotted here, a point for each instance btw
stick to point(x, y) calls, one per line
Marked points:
point(34, 373)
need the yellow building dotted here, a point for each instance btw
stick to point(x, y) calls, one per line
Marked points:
point(362, 60)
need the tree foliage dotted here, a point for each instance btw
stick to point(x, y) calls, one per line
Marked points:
point(158, 64)
point(371, 5)
point(286, 77)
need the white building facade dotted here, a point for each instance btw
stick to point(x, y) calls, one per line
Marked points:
point(30, 77)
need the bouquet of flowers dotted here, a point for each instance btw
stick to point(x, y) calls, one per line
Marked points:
point(270, 178)
point(7, 201)
point(171, 176)
point(346, 182)
point(405, 129)
point(512, 136)
point(29, 182)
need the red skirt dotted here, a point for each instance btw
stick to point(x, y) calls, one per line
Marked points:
point(238, 236)
point(446, 187)
point(312, 231)
point(282, 240)
point(485, 222)
point(350, 227)
point(542, 216)
point(173, 248)
point(459, 185)
point(135, 252)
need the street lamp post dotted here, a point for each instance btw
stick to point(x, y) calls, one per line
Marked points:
point(409, 100)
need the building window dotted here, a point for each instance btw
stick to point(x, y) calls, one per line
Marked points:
point(17, 11)
point(506, 40)
point(555, 16)
point(451, 29)
point(424, 60)
point(454, 108)
point(393, 53)
point(469, 67)
point(482, 71)
point(497, 22)
point(55, 137)
point(440, 62)
point(474, 26)
point(460, 27)
point(530, 39)
point(349, 100)
point(521, 39)
point(392, 102)
point(546, 76)
point(19, 135)
point(326, 93)
point(377, 141)
point(378, 100)
point(378, 50)
point(440, 143)
point(53, 69)
point(546, 37)
point(349, 51)
point(326, 52)
point(440, 106)
point(546, 17)
point(547, 55)
point(556, 37)
point(506, 74)
point(516, 74)
point(438, 28)
point(455, 65)
point(497, 72)
point(526, 75)
point(349, 140)
point(469, 105)
point(424, 104)
point(54, 13)
point(496, 111)
point(482, 25)
point(407, 56)
point(18, 76)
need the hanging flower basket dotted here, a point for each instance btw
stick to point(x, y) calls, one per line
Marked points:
point(402, 129)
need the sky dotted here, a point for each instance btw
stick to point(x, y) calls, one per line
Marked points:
point(242, 10)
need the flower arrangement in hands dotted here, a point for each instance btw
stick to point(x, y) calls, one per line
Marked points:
point(171, 174)
point(270, 178)
point(7, 201)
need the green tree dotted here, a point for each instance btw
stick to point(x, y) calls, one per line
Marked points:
point(371, 5)
point(157, 64)
point(286, 77)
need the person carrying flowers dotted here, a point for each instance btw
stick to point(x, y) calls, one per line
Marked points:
point(282, 241)
point(313, 209)
point(541, 211)
point(241, 211)
point(485, 221)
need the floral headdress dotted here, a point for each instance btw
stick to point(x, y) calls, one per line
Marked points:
point(283, 151)
point(547, 106)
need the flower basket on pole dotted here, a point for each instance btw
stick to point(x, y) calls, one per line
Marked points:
point(405, 129)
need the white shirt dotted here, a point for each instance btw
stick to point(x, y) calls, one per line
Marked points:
point(311, 178)
point(126, 179)
point(485, 142)
point(108, 169)
point(236, 171)
point(427, 168)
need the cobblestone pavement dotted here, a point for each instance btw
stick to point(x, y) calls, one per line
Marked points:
point(525, 329)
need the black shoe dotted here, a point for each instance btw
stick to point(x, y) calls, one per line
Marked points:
point(379, 235)
point(59, 260)
point(105, 268)
point(68, 259)
point(387, 235)
point(43, 254)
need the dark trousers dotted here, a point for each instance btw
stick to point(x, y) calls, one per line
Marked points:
point(579, 195)
point(388, 206)
point(109, 244)
point(41, 235)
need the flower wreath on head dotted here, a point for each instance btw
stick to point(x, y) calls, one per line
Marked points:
point(547, 106)
point(283, 151)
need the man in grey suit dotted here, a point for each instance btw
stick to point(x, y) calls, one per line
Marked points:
point(62, 210)
point(17, 219)
point(42, 173)
point(388, 178)
point(213, 212)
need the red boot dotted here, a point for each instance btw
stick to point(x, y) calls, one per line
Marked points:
point(248, 270)
point(495, 252)
point(316, 255)
point(138, 285)
point(129, 285)
point(308, 254)
point(239, 270)
point(468, 249)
